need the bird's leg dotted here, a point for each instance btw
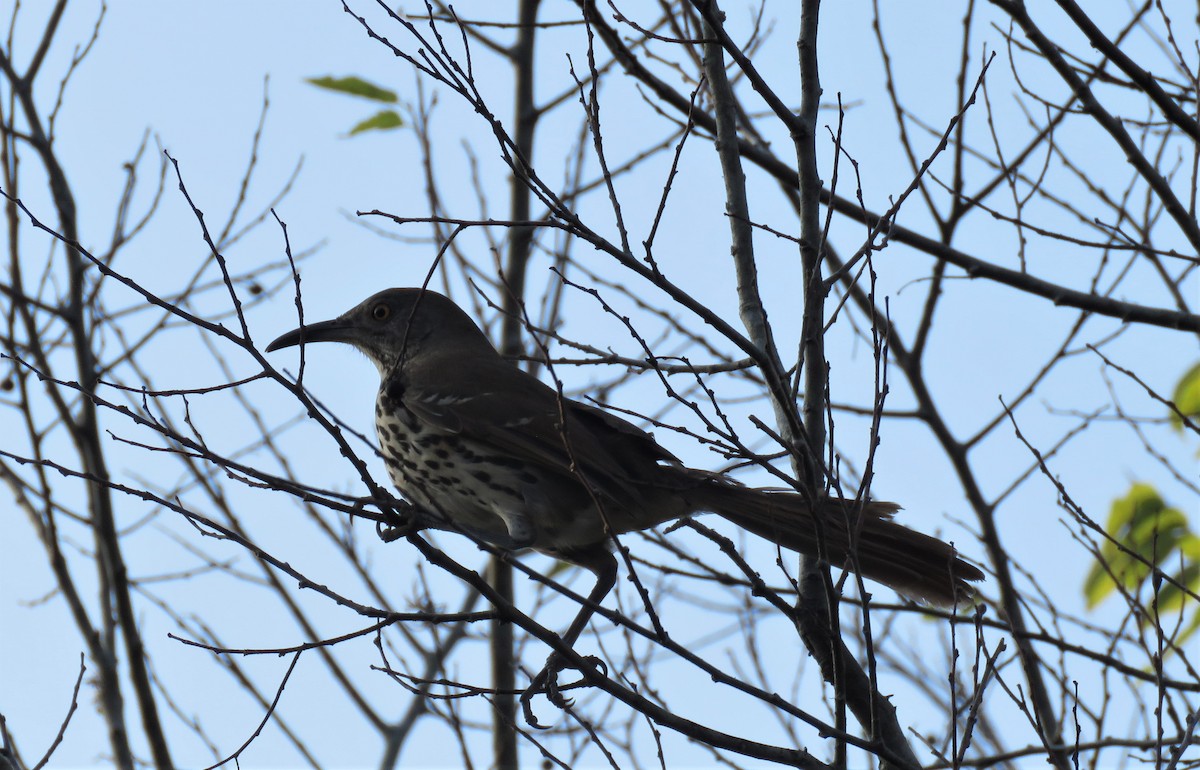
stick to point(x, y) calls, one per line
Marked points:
point(605, 569)
point(401, 518)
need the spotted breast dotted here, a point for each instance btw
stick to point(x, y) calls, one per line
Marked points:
point(482, 493)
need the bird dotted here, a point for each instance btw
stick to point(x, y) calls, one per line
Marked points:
point(500, 455)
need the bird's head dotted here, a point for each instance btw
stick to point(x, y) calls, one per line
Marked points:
point(392, 324)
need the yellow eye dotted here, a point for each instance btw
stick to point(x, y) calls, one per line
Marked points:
point(380, 312)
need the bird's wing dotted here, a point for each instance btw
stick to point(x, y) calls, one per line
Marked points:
point(518, 416)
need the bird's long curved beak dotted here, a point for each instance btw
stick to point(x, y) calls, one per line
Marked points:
point(336, 330)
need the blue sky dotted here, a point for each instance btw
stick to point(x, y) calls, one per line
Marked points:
point(193, 75)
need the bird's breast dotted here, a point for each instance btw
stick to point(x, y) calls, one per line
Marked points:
point(478, 489)
point(507, 500)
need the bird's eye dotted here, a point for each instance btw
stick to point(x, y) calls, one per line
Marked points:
point(380, 312)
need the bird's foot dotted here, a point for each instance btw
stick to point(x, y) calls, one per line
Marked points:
point(391, 532)
point(546, 682)
point(402, 519)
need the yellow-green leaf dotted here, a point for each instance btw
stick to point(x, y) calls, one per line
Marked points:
point(1190, 547)
point(1171, 598)
point(1140, 503)
point(1097, 585)
point(1143, 524)
point(1187, 396)
point(1158, 536)
point(384, 120)
point(355, 86)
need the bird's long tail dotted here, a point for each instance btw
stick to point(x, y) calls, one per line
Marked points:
point(861, 538)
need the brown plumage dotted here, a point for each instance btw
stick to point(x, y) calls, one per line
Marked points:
point(502, 456)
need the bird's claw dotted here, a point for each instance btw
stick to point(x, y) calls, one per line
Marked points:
point(391, 532)
point(546, 682)
point(402, 519)
point(538, 683)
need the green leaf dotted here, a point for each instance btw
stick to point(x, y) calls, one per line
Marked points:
point(1187, 396)
point(1141, 503)
point(1097, 586)
point(384, 120)
point(354, 86)
point(1143, 524)
point(1190, 548)
point(1159, 536)
point(1171, 598)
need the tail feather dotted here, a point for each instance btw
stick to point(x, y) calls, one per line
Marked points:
point(914, 564)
